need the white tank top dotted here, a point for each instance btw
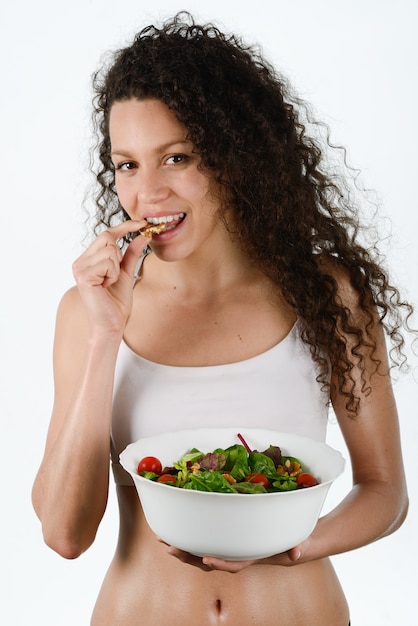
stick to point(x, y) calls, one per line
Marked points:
point(275, 390)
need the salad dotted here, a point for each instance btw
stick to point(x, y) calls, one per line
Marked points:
point(236, 469)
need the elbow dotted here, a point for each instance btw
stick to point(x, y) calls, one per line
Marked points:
point(402, 513)
point(69, 538)
point(65, 544)
point(399, 515)
point(66, 550)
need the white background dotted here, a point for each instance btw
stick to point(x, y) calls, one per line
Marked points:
point(357, 62)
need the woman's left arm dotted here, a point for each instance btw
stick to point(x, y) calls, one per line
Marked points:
point(377, 504)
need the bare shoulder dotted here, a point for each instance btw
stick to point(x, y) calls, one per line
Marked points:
point(71, 332)
point(71, 315)
point(68, 353)
point(70, 302)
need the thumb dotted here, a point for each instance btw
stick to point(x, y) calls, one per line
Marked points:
point(132, 254)
point(295, 553)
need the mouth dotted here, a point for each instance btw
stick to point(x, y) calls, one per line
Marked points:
point(162, 224)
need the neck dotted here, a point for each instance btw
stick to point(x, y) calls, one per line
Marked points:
point(209, 273)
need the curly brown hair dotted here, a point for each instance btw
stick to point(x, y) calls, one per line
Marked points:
point(290, 207)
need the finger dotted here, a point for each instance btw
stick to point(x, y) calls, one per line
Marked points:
point(225, 566)
point(111, 251)
point(96, 264)
point(189, 559)
point(121, 230)
point(112, 271)
point(111, 235)
point(295, 553)
point(102, 273)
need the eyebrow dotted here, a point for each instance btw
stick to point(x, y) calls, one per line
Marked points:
point(159, 149)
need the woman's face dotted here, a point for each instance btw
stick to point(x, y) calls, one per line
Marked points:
point(157, 178)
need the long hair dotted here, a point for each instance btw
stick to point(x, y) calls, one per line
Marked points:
point(291, 209)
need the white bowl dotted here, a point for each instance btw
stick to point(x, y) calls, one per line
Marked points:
point(232, 526)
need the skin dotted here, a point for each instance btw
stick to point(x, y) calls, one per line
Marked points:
point(196, 272)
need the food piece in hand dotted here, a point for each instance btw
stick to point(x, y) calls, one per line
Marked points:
point(152, 229)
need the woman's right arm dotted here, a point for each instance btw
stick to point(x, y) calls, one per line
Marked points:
point(70, 490)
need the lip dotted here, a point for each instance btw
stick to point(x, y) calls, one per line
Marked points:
point(166, 235)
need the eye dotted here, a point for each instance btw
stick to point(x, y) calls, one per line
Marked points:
point(126, 166)
point(175, 159)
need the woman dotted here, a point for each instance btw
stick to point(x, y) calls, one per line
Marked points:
point(257, 292)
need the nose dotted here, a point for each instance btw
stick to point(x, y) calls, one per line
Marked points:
point(152, 186)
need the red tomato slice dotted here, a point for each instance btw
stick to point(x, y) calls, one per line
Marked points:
point(306, 480)
point(258, 478)
point(167, 478)
point(150, 464)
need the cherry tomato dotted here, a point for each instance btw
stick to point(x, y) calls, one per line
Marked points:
point(258, 478)
point(150, 464)
point(306, 480)
point(167, 478)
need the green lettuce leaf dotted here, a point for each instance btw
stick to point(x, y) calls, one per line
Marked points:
point(249, 488)
point(208, 481)
point(262, 464)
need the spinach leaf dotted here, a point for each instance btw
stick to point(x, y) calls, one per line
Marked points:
point(291, 459)
point(191, 457)
point(262, 464)
point(149, 475)
point(238, 462)
point(208, 481)
point(249, 488)
point(285, 483)
point(231, 455)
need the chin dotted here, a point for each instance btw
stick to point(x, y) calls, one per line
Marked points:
point(170, 252)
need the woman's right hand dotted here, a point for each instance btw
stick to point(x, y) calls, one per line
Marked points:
point(104, 278)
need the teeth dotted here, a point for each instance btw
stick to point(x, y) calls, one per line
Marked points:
point(165, 219)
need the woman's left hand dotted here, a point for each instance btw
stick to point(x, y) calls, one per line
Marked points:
point(210, 563)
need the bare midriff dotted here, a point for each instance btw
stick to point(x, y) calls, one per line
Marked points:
point(146, 586)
